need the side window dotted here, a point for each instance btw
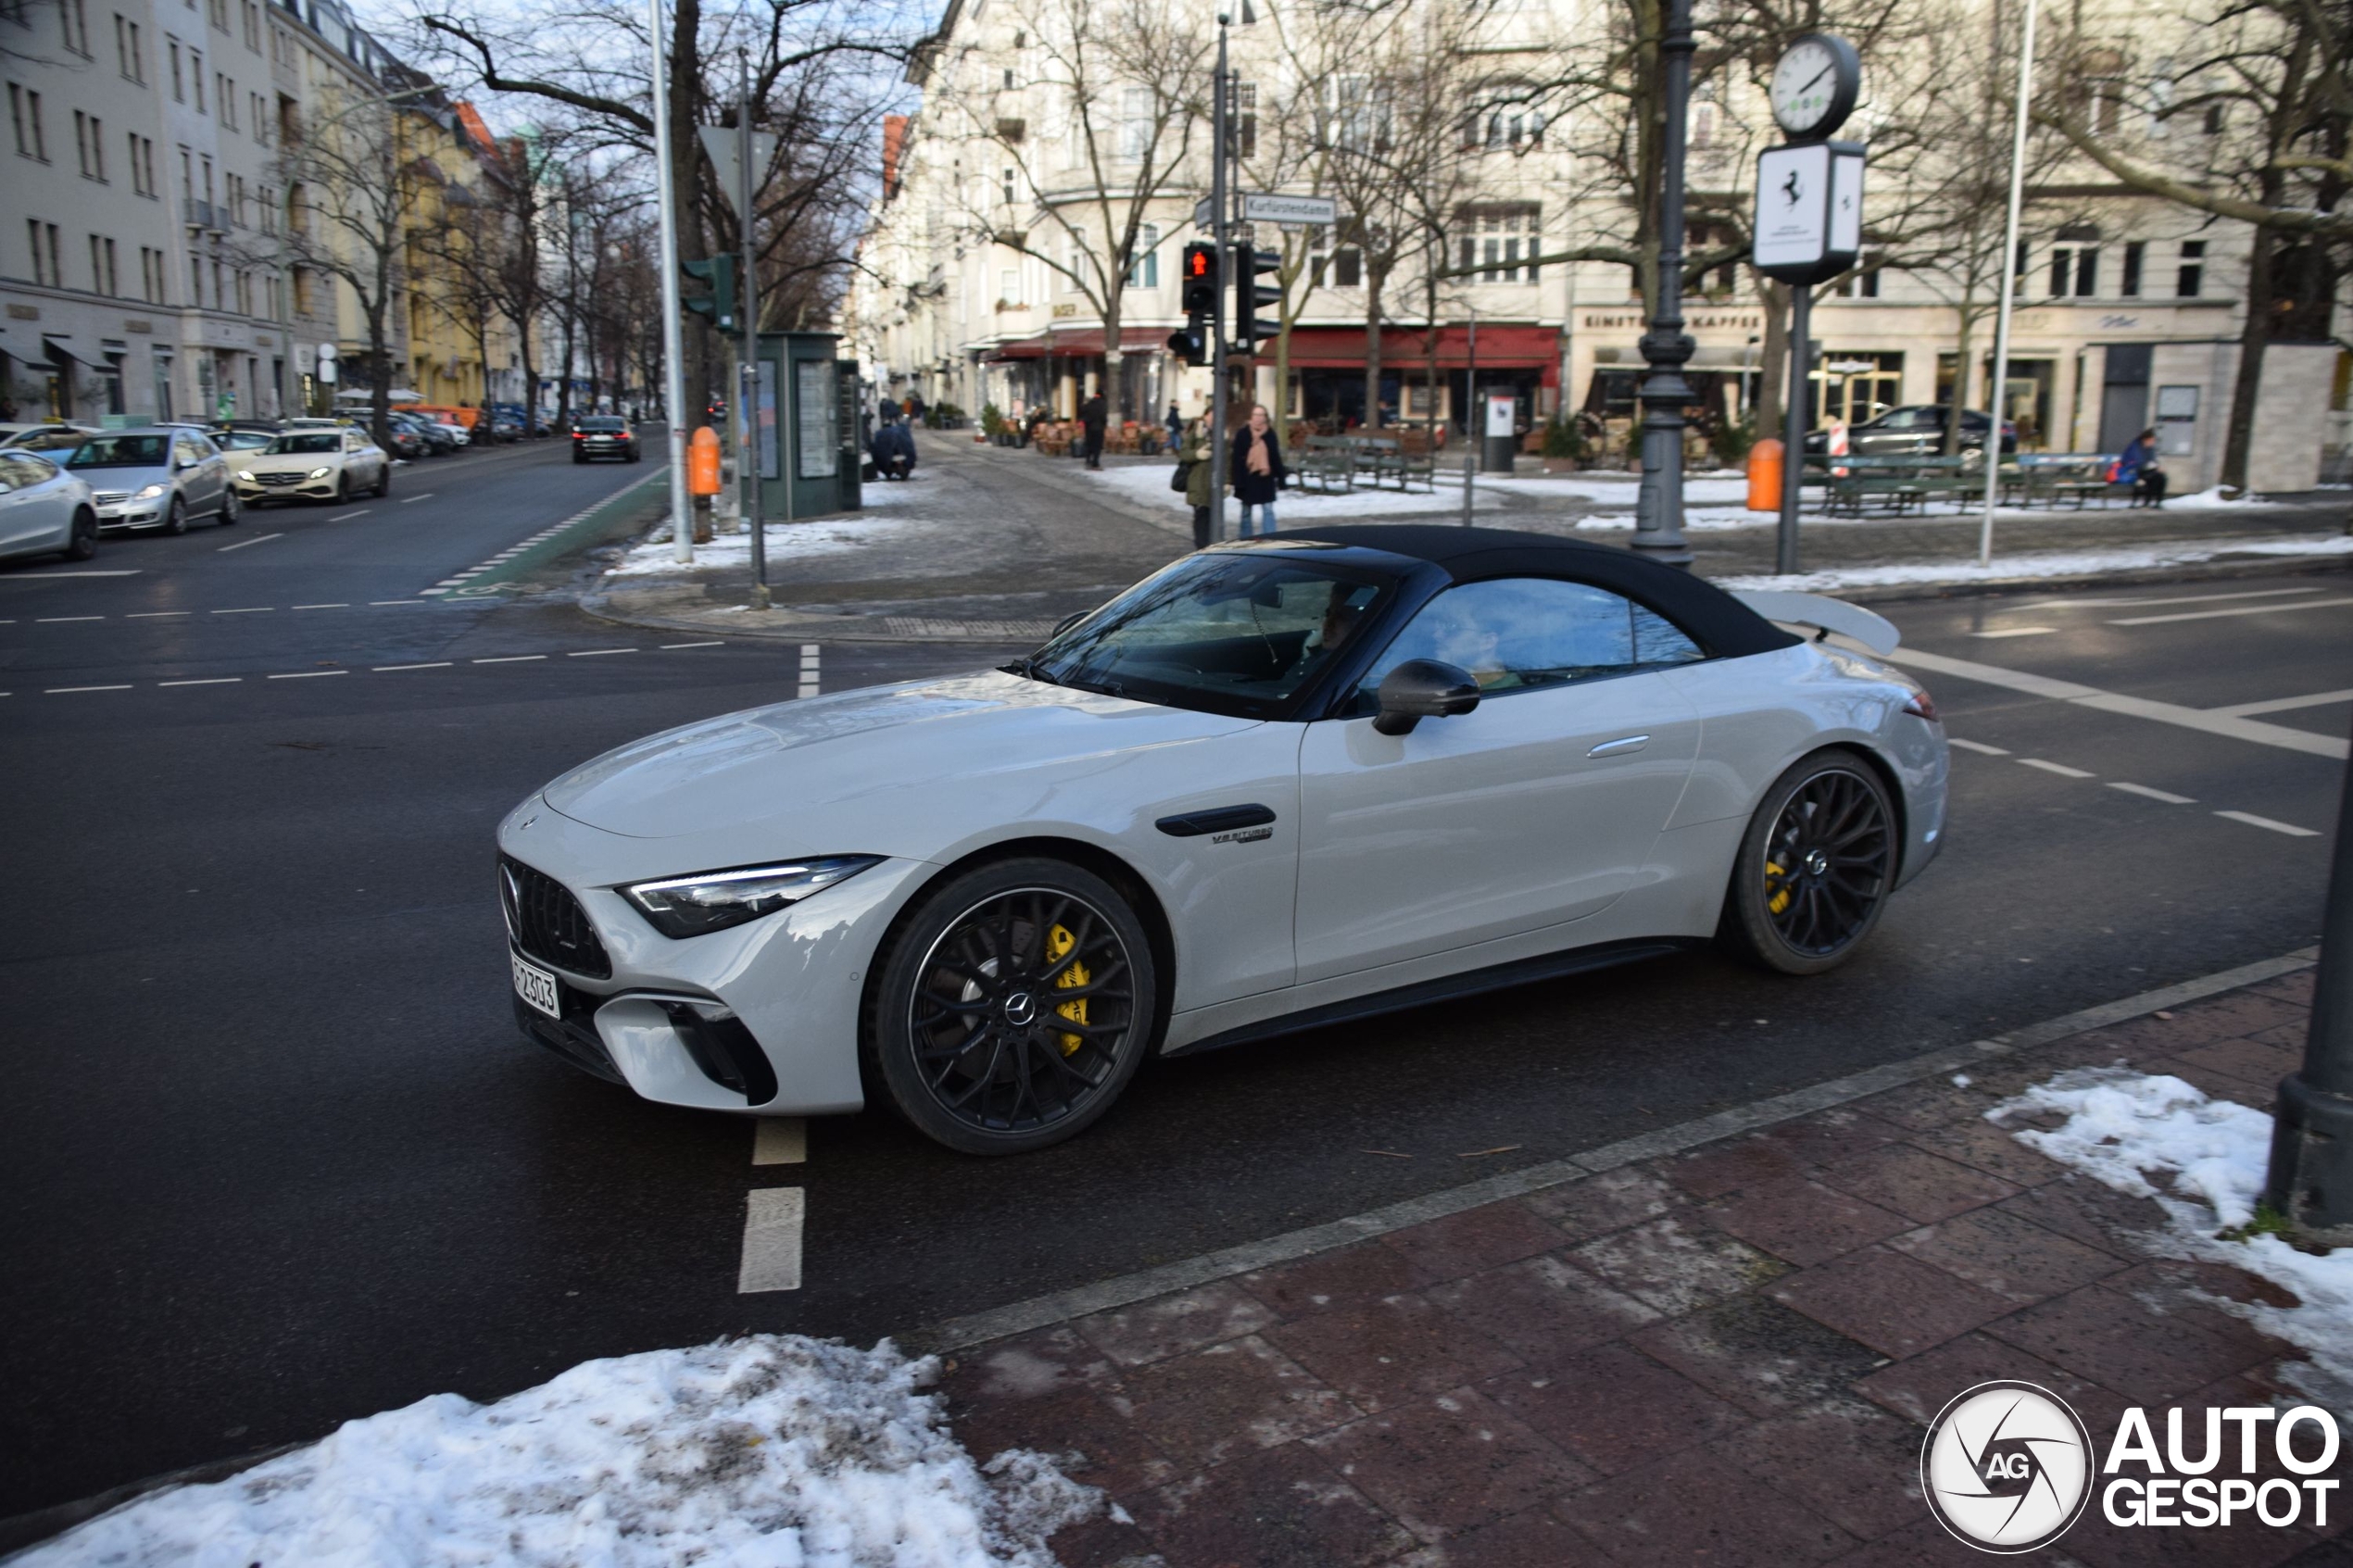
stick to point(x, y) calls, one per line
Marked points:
point(1517, 633)
point(184, 450)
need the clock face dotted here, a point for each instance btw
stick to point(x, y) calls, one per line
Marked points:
point(1814, 86)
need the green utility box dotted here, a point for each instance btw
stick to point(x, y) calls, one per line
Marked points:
point(807, 430)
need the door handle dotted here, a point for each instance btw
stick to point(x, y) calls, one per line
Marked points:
point(1620, 747)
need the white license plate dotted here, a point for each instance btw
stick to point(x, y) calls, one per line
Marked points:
point(538, 986)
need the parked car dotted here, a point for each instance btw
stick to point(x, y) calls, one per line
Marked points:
point(1914, 430)
point(163, 476)
point(1279, 783)
point(48, 436)
point(316, 465)
point(603, 435)
point(437, 442)
point(44, 509)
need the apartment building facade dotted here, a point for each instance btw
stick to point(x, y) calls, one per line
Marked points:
point(2129, 308)
point(144, 267)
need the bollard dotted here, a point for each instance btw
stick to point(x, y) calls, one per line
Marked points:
point(1470, 467)
point(1765, 476)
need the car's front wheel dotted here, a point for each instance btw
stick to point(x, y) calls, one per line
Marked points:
point(231, 508)
point(1815, 867)
point(1015, 1004)
point(384, 482)
point(175, 518)
point(82, 543)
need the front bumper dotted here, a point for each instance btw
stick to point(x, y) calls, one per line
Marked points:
point(132, 514)
point(253, 487)
point(759, 1018)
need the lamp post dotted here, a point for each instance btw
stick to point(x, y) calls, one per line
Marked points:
point(1999, 390)
point(2311, 1178)
point(1658, 509)
point(674, 340)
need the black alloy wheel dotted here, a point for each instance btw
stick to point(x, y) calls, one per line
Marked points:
point(83, 542)
point(175, 517)
point(383, 480)
point(1816, 867)
point(1015, 1004)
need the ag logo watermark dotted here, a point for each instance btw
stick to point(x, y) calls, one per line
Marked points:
point(2006, 1467)
point(2009, 1467)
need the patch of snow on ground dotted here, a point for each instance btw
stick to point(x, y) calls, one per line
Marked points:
point(1148, 484)
point(2084, 563)
point(772, 1451)
point(733, 551)
point(2208, 1158)
point(1615, 491)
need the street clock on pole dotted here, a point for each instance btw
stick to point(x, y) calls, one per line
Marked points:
point(1814, 86)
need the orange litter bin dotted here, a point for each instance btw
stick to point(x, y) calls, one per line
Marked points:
point(702, 463)
point(1765, 476)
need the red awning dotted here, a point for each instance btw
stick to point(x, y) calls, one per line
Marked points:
point(1500, 348)
point(1027, 348)
point(1078, 343)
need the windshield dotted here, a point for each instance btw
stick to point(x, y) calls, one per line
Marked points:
point(1236, 633)
point(244, 440)
point(600, 425)
point(120, 452)
point(325, 441)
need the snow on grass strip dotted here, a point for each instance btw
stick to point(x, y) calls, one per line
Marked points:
point(2204, 1162)
point(2082, 563)
point(772, 1451)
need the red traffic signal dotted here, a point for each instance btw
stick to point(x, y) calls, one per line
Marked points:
point(1201, 279)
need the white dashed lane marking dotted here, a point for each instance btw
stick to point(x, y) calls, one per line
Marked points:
point(2018, 631)
point(2251, 820)
point(772, 1240)
point(373, 669)
point(55, 620)
point(2241, 610)
point(1977, 746)
point(512, 658)
point(59, 691)
point(2147, 794)
point(809, 677)
point(346, 516)
point(256, 539)
point(2144, 791)
point(308, 674)
point(212, 681)
point(381, 668)
point(412, 500)
point(2061, 769)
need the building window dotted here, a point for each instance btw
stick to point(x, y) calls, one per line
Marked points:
point(2135, 254)
point(1008, 287)
point(74, 21)
point(102, 272)
point(1246, 119)
point(1348, 267)
point(227, 89)
point(2075, 269)
point(2187, 281)
point(1009, 187)
point(1501, 236)
point(47, 269)
point(88, 145)
point(195, 279)
point(218, 11)
point(126, 49)
point(305, 292)
point(1136, 126)
point(253, 26)
point(24, 113)
point(171, 52)
point(1860, 284)
point(196, 77)
point(1144, 272)
point(152, 282)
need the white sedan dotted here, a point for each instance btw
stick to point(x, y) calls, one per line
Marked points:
point(44, 510)
point(313, 465)
point(1279, 784)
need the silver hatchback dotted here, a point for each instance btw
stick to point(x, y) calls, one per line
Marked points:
point(162, 477)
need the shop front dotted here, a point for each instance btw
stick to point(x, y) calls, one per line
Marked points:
point(1428, 378)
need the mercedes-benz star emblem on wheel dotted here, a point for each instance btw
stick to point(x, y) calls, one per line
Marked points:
point(2006, 1467)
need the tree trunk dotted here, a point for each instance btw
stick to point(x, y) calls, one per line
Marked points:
point(1964, 368)
point(2239, 435)
point(1372, 348)
point(563, 386)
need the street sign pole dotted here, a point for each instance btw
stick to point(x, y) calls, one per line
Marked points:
point(748, 372)
point(1999, 391)
point(674, 335)
point(1658, 507)
point(1218, 446)
point(1801, 365)
point(2311, 1176)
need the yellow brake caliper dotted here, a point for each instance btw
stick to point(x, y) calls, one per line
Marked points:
point(1059, 942)
point(1776, 888)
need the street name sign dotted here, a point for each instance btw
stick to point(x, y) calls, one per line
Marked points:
point(1289, 209)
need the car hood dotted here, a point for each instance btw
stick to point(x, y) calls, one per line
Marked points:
point(122, 479)
point(777, 764)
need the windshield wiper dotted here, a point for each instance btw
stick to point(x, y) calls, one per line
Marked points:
point(1027, 667)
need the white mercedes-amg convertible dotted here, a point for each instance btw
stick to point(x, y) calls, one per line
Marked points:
point(1278, 784)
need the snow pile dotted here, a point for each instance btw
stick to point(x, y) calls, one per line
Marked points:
point(2079, 563)
point(1619, 490)
point(1148, 484)
point(773, 1452)
point(2208, 1160)
point(787, 540)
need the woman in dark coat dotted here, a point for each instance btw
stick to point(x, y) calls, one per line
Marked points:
point(1258, 470)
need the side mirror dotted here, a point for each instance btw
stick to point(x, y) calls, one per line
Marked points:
point(1423, 688)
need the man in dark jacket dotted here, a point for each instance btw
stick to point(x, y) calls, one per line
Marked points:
point(1094, 414)
point(894, 451)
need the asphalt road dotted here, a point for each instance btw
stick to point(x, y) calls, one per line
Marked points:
point(272, 1155)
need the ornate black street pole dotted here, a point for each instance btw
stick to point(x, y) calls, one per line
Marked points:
point(1658, 510)
point(2311, 1177)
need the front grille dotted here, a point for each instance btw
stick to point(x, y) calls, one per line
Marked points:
point(278, 478)
point(548, 922)
point(110, 497)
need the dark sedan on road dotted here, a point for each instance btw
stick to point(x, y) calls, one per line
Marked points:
point(1917, 430)
point(603, 435)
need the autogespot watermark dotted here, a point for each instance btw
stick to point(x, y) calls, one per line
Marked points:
point(2009, 1467)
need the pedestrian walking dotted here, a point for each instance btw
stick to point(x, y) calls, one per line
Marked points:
point(2139, 467)
point(1175, 423)
point(1258, 470)
point(1093, 415)
point(1200, 493)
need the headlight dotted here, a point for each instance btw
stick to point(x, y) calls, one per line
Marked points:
point(322, 471)
point(691, 906)
point(151, 491)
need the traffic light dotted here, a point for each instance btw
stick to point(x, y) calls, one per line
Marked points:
point(1251, 296)
point(718, 306)
point(1200, 297)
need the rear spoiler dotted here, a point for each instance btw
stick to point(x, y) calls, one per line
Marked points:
point(1874, 631)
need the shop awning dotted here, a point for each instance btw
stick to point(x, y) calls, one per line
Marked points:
point(1076, 343)
point(1500, 348)
point(63, 347)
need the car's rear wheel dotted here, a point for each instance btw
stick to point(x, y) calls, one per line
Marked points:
point(1016, 1003)
point(231, 508)
point(82, 543)
point(175, 517)
point(1815, 867)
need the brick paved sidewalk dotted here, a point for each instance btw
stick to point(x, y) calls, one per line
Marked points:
point(1726, 1357)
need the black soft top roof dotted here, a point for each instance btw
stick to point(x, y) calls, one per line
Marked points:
point(1726, 627)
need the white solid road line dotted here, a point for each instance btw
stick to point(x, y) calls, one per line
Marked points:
point(214, 680)
point(252, 609)
point(2251, 820)
point(1977, 746)
point(54, 619)
point(53, 691)
point(306, 674)
point(666, 647)
point(2285, 704)
point(412, 500)
point(598, 653)
point(780, 1140)
point(2241, 610)
point(2018, 631)
point(374, 602)
point(512, 658)
point(772, 1240)
point(439, 664)
point(256, 539)
point(346, 516)
point(345, 606)
point(2025, 681)
point(2061, 769)
point(156, 614)
point(2144, 790)
point(2184, 599)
